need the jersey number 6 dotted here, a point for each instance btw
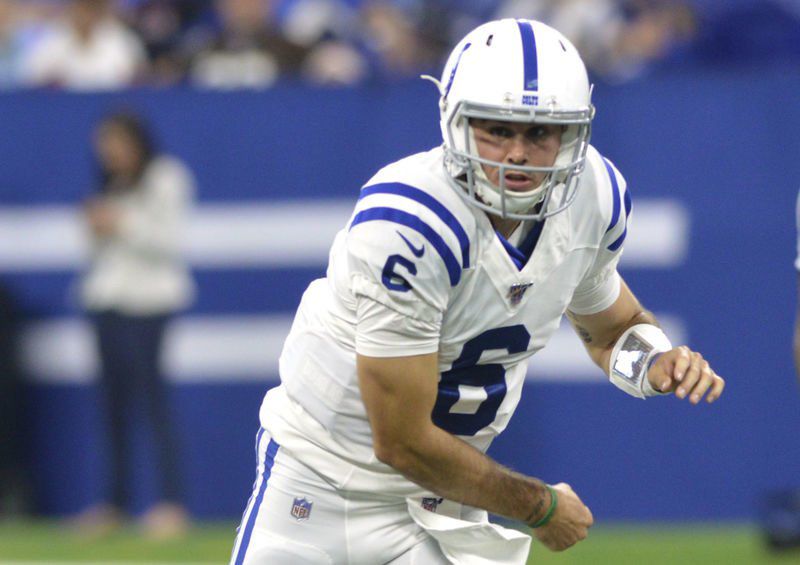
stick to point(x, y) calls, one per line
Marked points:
point(393, 280)
point(466, 372)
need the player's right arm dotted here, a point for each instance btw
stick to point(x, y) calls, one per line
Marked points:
point(406, 249)
point(399, 394)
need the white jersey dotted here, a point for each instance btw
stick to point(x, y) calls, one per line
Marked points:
point(418, 270)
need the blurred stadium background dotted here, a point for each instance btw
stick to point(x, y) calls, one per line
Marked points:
point(283, 109)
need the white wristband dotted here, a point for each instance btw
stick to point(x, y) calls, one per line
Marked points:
point(631, 356)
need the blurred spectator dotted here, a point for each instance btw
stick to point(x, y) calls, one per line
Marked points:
point(617, 39)
point(326, 29)
point(404, 38)
point(20, 26)
point(87, 49)
point(136, 282)
point(13, 488)
point(161, 25)
point(10, 44)
point(245, 49)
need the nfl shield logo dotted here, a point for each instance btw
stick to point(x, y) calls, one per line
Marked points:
point(517, 291)
point(430, 503)
point(301, 509)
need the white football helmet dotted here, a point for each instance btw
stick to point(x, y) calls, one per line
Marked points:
point(519, 71)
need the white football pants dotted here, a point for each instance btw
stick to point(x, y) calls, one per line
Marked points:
point(294, 517)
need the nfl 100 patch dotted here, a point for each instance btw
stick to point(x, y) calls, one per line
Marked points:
point(301, 508)
point(517, 291)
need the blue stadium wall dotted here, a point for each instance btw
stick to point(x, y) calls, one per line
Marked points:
point(723, 144)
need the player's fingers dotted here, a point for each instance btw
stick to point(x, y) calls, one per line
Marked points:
point(563, 487)
point(691, 376)
point(682, 363)
point(703, 383)
point(659, 372)
point(589, 518)
point(717, 386)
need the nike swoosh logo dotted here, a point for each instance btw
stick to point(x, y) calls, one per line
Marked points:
point(417, 252)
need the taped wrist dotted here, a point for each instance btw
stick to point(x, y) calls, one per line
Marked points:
point(632, 356)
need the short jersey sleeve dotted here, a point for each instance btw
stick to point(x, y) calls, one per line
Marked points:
point(600, 286)
point(404, 257)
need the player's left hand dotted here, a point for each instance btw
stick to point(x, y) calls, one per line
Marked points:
point(687, 374)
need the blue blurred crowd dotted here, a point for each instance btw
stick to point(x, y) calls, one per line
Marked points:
point(229, 44)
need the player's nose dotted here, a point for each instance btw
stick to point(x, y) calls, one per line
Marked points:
point(518, 150)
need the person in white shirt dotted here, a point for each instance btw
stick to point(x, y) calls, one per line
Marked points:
point(89, 50)
point(409, 358)
point(136, 281)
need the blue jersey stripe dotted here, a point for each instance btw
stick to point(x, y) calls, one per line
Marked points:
point(614, 246)
point(429, 202)
point(413, 222)
point(516, 256)
point(529, 56)
point(453, 72)
point(529, 243)
point(615, 194)
point(269, 461)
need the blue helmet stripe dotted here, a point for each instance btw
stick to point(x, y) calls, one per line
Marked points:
point(429, 202)
point(409, 220)
point(615, 194)
point(269, 461)
point(529, 57)
point(453, 72)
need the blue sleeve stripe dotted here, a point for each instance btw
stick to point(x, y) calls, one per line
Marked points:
point(529, 56)
point(269, 461)
point(429, 202)
point(615, 193)
point(614, 246)
point(628, 204)
point(409, 220)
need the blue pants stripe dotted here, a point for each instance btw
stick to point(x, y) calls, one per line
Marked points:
point(269, 461)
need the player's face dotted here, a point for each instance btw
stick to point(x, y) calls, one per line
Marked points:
point(117, 150)
point(531, 145)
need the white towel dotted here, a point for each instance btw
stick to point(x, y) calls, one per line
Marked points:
point(472, 543)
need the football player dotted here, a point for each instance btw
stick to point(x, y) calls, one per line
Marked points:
point(405, 362)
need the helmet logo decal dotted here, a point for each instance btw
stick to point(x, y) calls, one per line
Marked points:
point(530, 100)
point(529, 57)
point(453, 72)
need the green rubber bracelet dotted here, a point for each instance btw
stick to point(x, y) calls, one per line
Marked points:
point(544, 520)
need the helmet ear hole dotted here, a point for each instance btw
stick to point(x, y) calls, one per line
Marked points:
point(489, 40)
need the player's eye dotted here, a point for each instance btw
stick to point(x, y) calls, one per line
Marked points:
point(537, 133)
point(501, 131)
